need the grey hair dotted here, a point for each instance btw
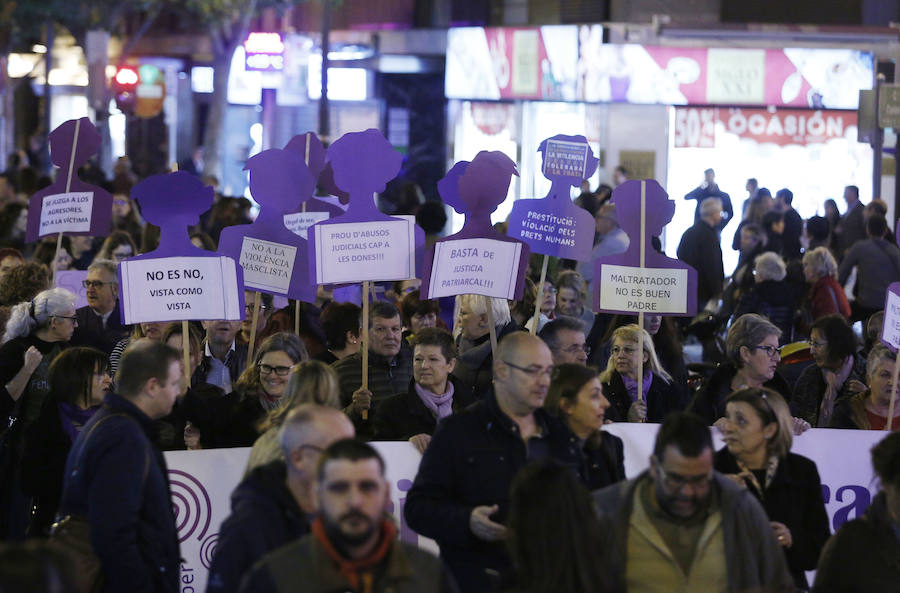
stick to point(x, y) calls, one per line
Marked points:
point(478, 306)
point(23, 320)
point(878, 353)
point(770, 266)
point(107, 265)
point(710, 205)
point(821, 262)
point(749, 330)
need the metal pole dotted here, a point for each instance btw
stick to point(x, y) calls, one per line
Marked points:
point(324, 121)
point(879, 143)
point(48, 64)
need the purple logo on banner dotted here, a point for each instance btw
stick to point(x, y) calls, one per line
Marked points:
point(274, 259)
point(477, 259)
point(190, 504)
point(70, 205)
point(554, 225)
point(659, 285)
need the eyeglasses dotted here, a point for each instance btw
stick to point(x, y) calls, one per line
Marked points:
point(533, 372)
point(771, 351)
point(265, 369)
point(626, 349)
point(677, 482)
point(817, 345)
point(249, 308)
point(575, 348)
point(119, 256)
point(71, 318)
point(95, 283)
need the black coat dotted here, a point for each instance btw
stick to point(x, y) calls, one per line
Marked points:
point(470, 462)
point(264, 516)
point(603, 461)
point(90, 330)
point(404, 415)
point(475, 368)
point(198, 406)
point(235, 419)
point(773, 299)
point(709, 403)
point(662, 399)
point(700, 249)
point(794, 498)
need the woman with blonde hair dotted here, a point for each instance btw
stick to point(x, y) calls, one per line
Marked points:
point(659, 395)
point(311, 382)
point(758, 433)
point(825, 296)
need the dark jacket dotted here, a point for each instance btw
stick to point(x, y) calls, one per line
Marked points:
point(752, 559)
point(198, 406)
point(305, 567)
point(662, 399)
point(794, 498)
point(235, 419)
point(264, 517)
point(386, 377)
point(851, 413)
point(700, 193)
point(118, 479)
point(810, 389)
point(90, 330)
point(863, 556)
point(709, 403)
point(404, 415)
point(602, 461)
point(851, 228)
point(700, 249)
point(773, 299)
point(235, 360)
point(475, 368)
point(471, 461)
point(790, 238)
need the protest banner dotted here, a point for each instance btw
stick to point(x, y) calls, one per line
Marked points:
point(554, 225)
point(642, 280)
point(178, 281)
point(890, 336)
point(364, 245)
point(69, 205)
point(202, 482)
point(71, 281)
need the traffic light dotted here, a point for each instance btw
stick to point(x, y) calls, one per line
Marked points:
point(125, 88)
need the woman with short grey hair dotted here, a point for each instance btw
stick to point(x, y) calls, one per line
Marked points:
point(770, 294)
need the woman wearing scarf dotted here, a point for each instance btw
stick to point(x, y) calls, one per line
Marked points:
point(758, 433)
point(620, 380)
point(431, 396)
point(78, 380)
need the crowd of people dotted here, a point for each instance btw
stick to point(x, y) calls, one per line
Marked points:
point(519, 483)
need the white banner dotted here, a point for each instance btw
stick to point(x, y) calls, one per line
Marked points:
point(202, 482)
point(475, 266)
point(66, 213)
point(267, 265)
point(358, 251)
point(659, 290)
point(299, 222)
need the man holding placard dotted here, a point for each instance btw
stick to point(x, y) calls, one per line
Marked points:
point(99, 322)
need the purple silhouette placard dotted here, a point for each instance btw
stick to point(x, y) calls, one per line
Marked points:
point(309, 210)
point(363, 244)
point(890, 329)
point(177, 280)
point(477, 259)
point(274, 259)
point(641, 279)
point(70, 205)
point(554, 225)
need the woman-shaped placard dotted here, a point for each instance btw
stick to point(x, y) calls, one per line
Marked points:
point(363, 163)
point(554, 225)
point(274, 259)
point(72, 144)
point(475, 189)
point(658, 212)
point(315, 161)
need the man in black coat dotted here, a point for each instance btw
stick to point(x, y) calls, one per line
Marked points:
point(118, 479)
point(461, 492)
point(709, 189)
point(700, 248)
point(793, 224)
point(272, 506)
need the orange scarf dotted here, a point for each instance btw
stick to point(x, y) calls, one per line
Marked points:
point(357, 571)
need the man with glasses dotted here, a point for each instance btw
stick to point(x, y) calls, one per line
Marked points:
point(461, 492)
point(680, 526)
point(273, 505)
point(390, 369)
point(565, 338)
point(266, 308)
point(99, 322)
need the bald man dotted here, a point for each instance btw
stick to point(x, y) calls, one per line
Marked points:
point(273, 505)
point(461, 492)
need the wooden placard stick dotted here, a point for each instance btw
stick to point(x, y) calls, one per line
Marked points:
point(890, 417)
point(186, 345)
point(640, 369)
point(365, 341)
point(492, 328)
point(302, 209)
point(257, 297)
point(68, 189)
point(540, 296)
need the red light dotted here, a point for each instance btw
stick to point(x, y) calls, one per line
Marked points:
point(127, 76)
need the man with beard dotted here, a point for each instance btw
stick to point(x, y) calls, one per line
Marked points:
point(680, 526)
point(353, 544)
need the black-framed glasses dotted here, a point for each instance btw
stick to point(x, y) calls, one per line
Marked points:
point(95, 283)
point(629, 350)
point(71, 318)
point(575, 348)
point(265, 369)
point(817, 345)
point(677, 481)
point(533, 372)
point(249, 308)
point(771, 351)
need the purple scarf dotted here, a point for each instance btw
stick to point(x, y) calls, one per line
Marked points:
point(440, 406)
point(631, 385)
point(74, 418)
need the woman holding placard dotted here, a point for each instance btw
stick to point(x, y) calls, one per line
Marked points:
point(869, 410)
point(475, 367)
point(576, 395)
point(758, 433)
point(259, 389)
point(658, 395)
